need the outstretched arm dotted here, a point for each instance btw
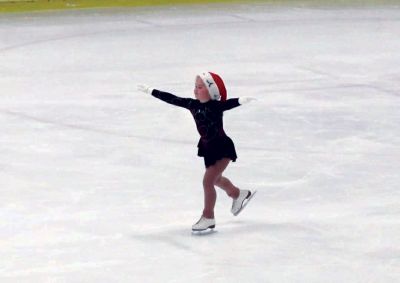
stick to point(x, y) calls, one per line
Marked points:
point(235, 102)
point(166, 97)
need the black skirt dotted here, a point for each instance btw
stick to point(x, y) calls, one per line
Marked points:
point(216, 149)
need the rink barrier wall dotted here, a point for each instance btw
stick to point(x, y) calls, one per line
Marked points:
point(12, 6)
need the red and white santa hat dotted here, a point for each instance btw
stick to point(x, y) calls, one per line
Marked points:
point(215, 85)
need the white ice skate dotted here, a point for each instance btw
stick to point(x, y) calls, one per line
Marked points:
point(204, 224)
point(238, 204)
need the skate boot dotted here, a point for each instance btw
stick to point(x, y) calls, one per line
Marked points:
point(239, 203)
point(204, 224)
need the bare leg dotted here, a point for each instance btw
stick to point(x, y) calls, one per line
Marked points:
point(230, 189)
point(212, 174)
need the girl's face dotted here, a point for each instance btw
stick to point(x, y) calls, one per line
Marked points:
point(200, 90)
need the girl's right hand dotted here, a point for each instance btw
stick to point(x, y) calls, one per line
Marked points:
point(144, 88)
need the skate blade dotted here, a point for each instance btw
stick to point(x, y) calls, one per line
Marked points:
point(205, 232)
point(245, 203)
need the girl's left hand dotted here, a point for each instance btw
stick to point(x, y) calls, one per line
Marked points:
point(246, 99)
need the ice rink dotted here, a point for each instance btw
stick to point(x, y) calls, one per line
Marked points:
point(101, 183)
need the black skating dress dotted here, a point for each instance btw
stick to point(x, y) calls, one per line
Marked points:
point(214, 144)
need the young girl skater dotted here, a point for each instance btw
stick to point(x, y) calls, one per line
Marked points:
point(214, 145)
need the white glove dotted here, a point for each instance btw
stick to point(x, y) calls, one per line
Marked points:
point(246, 99)
point(145, 88)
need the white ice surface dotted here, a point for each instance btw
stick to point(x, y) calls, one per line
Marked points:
point(100, 183)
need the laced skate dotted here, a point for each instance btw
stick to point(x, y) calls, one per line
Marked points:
point(238, 204)
point(204, 224)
